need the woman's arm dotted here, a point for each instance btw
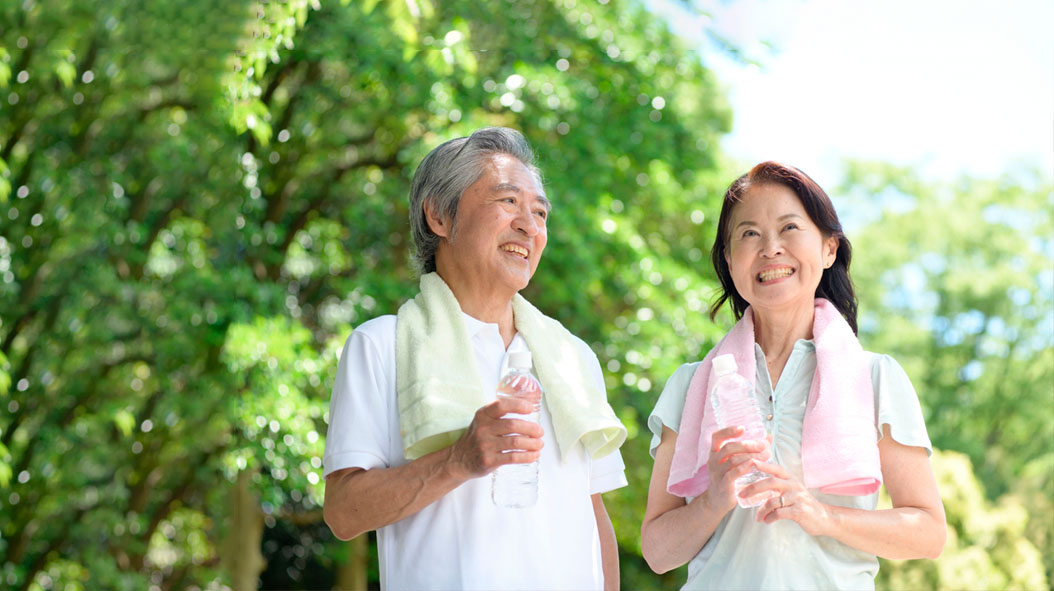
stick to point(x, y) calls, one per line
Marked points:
point(914, 528)
point(673, 531)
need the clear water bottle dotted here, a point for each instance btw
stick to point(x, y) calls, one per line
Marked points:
point(734, 403)
point(516, 485)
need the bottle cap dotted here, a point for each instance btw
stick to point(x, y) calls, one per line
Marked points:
point(520, 359)
point(724, 364)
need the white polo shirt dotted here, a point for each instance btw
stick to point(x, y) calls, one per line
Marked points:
point(464, 541)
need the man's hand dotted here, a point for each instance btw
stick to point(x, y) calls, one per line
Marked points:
point(491, 441)
point(360, 500)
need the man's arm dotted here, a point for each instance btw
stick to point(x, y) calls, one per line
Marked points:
point(608, 544)
point(360, 500)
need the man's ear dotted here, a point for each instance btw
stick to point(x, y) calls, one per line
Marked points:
point(439, 225)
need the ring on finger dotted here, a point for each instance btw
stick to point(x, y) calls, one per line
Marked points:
point(782, 504)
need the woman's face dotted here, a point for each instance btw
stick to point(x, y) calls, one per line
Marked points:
point(775, 253)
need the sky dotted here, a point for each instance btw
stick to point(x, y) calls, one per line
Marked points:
point(946, 87)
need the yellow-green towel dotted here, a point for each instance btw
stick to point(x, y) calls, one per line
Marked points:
point(438, 385)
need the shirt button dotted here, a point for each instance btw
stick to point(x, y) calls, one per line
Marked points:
point(769, 417)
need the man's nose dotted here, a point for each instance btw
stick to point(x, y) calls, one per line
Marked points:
point(527, 222)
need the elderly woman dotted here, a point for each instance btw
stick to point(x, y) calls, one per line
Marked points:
point(841, 421)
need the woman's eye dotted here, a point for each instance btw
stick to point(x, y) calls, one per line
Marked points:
point(791, 227)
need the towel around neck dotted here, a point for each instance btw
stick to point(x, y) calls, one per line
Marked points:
point(839, 435)
point(439, 389)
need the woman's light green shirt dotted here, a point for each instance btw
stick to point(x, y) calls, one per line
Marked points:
point(745, 554)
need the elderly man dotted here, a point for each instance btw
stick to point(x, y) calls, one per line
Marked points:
point(416, 429)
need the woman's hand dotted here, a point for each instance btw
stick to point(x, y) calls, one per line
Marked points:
point(789, 500)
point(728, 461)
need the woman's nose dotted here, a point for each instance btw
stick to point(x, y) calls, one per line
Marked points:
point(772, 246)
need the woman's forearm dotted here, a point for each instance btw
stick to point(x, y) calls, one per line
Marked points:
point(902, 533)
point(914, 528)
point(676, 536)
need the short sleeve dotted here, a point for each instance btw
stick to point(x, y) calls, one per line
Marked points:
point(670, 405)
point(359, 422)
point(609, 472)
point(897, 404)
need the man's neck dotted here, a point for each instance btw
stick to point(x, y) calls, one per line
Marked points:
point(487, 307)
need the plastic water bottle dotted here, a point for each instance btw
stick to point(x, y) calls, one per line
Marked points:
point(734, 403)
point(516, 485)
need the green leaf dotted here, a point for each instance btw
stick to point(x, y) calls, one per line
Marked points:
point(125, 422)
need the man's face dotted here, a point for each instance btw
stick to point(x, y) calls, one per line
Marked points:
point(500, 233)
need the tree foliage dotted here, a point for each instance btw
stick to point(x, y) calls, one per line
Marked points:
point(956, 281)
point(199, 201)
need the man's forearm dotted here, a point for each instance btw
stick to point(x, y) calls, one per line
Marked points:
point(362, 500)
point(608, 545)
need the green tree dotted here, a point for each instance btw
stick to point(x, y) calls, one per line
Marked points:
point(988, 546)
point(956, 282)
point(198, 201)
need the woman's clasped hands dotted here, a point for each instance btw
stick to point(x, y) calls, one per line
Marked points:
point(788, 499)
point(783, 496)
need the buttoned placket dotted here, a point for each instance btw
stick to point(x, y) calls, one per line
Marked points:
point(764, 393)
point(770, 397)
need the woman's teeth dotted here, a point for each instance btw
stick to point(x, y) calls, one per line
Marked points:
point(772, 274)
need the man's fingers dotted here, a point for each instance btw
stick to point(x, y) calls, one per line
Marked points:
point(519, 457)
point(518, 427)
point(520, 443)
point(504, 406)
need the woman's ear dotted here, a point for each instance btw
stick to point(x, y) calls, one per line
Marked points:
point(439, 225)
point(830, 251)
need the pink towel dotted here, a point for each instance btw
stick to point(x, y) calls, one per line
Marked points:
point(839, 437)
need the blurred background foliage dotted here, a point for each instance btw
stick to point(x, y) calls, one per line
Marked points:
point(200, 200)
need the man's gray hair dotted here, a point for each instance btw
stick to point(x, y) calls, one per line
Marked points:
point(447, 171)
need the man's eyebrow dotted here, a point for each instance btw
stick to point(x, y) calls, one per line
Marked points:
point(517, 189)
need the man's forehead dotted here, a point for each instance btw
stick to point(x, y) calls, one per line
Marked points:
point(505, 172)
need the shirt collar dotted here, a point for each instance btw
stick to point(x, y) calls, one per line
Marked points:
point(474, 326)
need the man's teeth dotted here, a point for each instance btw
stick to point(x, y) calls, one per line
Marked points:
point(775, 274)
point(516, 249)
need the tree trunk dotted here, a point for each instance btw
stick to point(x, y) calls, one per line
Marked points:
point(351, 574)
point(241, 550)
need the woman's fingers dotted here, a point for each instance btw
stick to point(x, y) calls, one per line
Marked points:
point(773, 470)
point(722, 436)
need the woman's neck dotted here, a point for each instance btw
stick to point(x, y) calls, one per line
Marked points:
point(777, 333)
